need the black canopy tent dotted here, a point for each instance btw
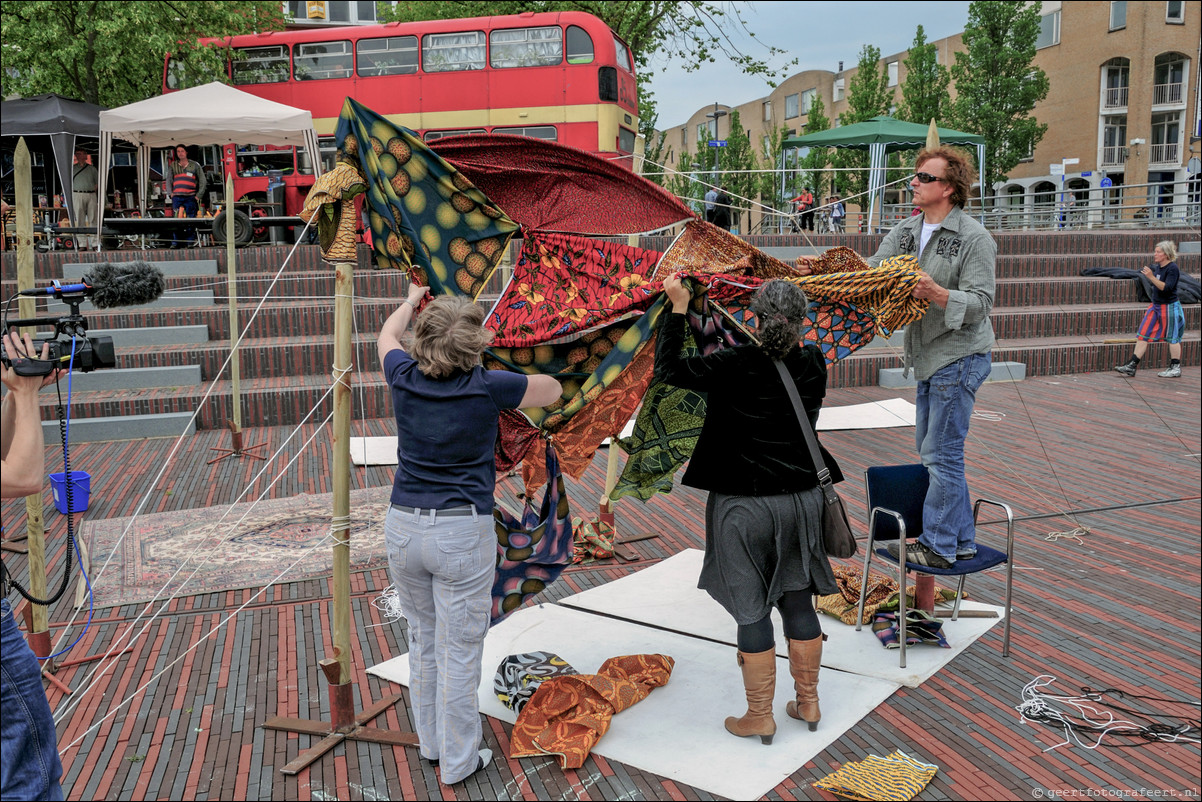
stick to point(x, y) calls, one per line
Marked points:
point(61, 119)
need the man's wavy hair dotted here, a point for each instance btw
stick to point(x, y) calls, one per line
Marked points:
point(780, 307)
point(959, 170)
point(449, 336)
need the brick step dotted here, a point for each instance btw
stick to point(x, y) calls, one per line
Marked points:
point(1044, 356)
point(265, 356)
point(1075, 321)
point(285, 401)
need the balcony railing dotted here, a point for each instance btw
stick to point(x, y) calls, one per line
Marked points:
point(1167, 94)
point(1116, 97)
point(1114, 156)
point(1164, 154)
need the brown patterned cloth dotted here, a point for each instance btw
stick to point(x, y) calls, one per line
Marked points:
point(885, 292)
point(705, 248)
point(882, 595)
point(568, 715)
point(330, 205)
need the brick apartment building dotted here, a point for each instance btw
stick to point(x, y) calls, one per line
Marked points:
point(1124, 102)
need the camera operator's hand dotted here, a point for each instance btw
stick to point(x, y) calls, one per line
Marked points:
point(22, 469)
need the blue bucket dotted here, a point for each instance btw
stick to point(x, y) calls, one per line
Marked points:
point(81, 490)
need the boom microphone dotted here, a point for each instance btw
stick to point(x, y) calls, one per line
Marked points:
point(111, 285)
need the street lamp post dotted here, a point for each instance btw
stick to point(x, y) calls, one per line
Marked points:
point(715, 116)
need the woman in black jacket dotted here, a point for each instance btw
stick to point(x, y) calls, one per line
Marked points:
point(763, 541)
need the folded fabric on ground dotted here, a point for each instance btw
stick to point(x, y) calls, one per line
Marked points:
point(921, 627)
point(568, 714)
point(896, 777)
point(882, 595)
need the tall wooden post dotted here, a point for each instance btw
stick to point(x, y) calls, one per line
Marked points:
point(39, 634)
point(344, 308)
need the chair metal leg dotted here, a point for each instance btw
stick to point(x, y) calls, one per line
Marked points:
point(976, 508)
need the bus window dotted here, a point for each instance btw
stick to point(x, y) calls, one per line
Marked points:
point(580, 46)
point(625, 140)
point(623, 55)
point(537, 131)
point(526, 47)
point(430, 136)
point(321, 60)
point(452, 52)
point(260, 65)
point(393, 55)
point(176, 74)
point(255, 160)
point(328, 148)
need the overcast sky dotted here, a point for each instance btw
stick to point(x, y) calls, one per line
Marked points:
point(818, 34)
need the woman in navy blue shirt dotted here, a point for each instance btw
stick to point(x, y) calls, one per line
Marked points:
point(439, 530)
point(1164, 321)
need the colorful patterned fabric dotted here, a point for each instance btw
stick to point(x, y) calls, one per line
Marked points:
point(519, 675)
point(921, 627)
point(592, 540)
point(330, 204)
point(424, 213)
point(897, 777)
point(532, 552)
point(705, 248)
point(844, 604)
point(884, 292)
point(569, 714)
point(564, 285)
point(516, 437)
point(552, 187)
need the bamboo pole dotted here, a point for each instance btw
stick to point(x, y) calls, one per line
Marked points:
point(35, 526)
point(344, 290)
point(232, 283)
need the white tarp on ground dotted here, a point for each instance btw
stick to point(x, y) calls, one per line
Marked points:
point(213, 114)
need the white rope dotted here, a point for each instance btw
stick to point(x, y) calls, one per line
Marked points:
point(388, 603)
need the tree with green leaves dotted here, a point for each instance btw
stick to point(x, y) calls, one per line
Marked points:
point(688, 33)
point(774, 182)
point(111, 53)
point(738, 166)
point(818, 158)
point(868, 95)
point(925, 96)
point(998, 85)
point(681, 183)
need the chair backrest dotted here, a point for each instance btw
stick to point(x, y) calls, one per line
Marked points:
point(901, 488)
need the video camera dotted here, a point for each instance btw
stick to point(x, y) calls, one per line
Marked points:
point(107, 286)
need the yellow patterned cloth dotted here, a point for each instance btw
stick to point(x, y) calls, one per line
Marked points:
point(332, 202)
point(896, 777)
point(885, 292)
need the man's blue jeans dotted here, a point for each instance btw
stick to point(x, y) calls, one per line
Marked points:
point(945, 403)
point(29, 764)
point(191, 207)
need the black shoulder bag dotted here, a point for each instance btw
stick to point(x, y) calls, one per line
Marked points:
point(837, 537)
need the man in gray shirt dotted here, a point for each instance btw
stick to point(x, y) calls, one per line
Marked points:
point(949, 348)
point(83, 194)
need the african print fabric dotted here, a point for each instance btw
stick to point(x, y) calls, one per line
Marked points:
point(533, 551)
point(423, 212)
point(896, 777)
point(330, 204)
point(568, 715)
point(552, 187)
point(885, 292)
point(564, 284)
point(592, 540)
point(519, 675)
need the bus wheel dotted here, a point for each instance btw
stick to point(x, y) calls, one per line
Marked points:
point(243, 232)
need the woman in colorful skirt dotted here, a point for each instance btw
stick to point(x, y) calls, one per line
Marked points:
point(1164, 321)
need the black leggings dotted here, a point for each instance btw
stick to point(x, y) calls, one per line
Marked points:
point(801, 623)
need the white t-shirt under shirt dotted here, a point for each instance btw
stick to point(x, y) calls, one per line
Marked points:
point(927, 230)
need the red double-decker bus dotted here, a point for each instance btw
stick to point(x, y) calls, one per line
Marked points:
point(562, 76)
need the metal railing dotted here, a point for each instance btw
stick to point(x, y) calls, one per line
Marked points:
point(1167, 94)
point(1164, 154)
point(1116, 97)
point(1114, 156)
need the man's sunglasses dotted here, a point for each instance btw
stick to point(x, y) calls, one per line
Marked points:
point(926, 178)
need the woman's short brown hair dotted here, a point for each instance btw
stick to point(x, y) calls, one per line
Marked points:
point(959, 170)
point(449, 336)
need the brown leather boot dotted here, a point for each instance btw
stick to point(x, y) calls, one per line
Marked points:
point(805, 657)
point(759, 682)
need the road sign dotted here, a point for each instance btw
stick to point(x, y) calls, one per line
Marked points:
point(1056, 169)
point(1106, 182)
point(1070, 161)
point(717, 143)
point(1086, 173)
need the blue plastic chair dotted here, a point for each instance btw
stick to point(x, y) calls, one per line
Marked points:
point(895, 498)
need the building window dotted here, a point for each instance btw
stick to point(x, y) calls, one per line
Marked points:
point(892, 68)
point(1114, 140)
point(1168, 82)
point(703, 133)
point(807, 100)
point(1174, 12)
point(1166, 132)
point(1049, 30)
point(526, 47)
point(792, 106)
point(837, 95)
point(684, 138)
point(1117, 76)
point(1118, 14)
point(768, 111)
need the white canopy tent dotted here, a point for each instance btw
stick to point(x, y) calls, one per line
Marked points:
point(213, 114)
